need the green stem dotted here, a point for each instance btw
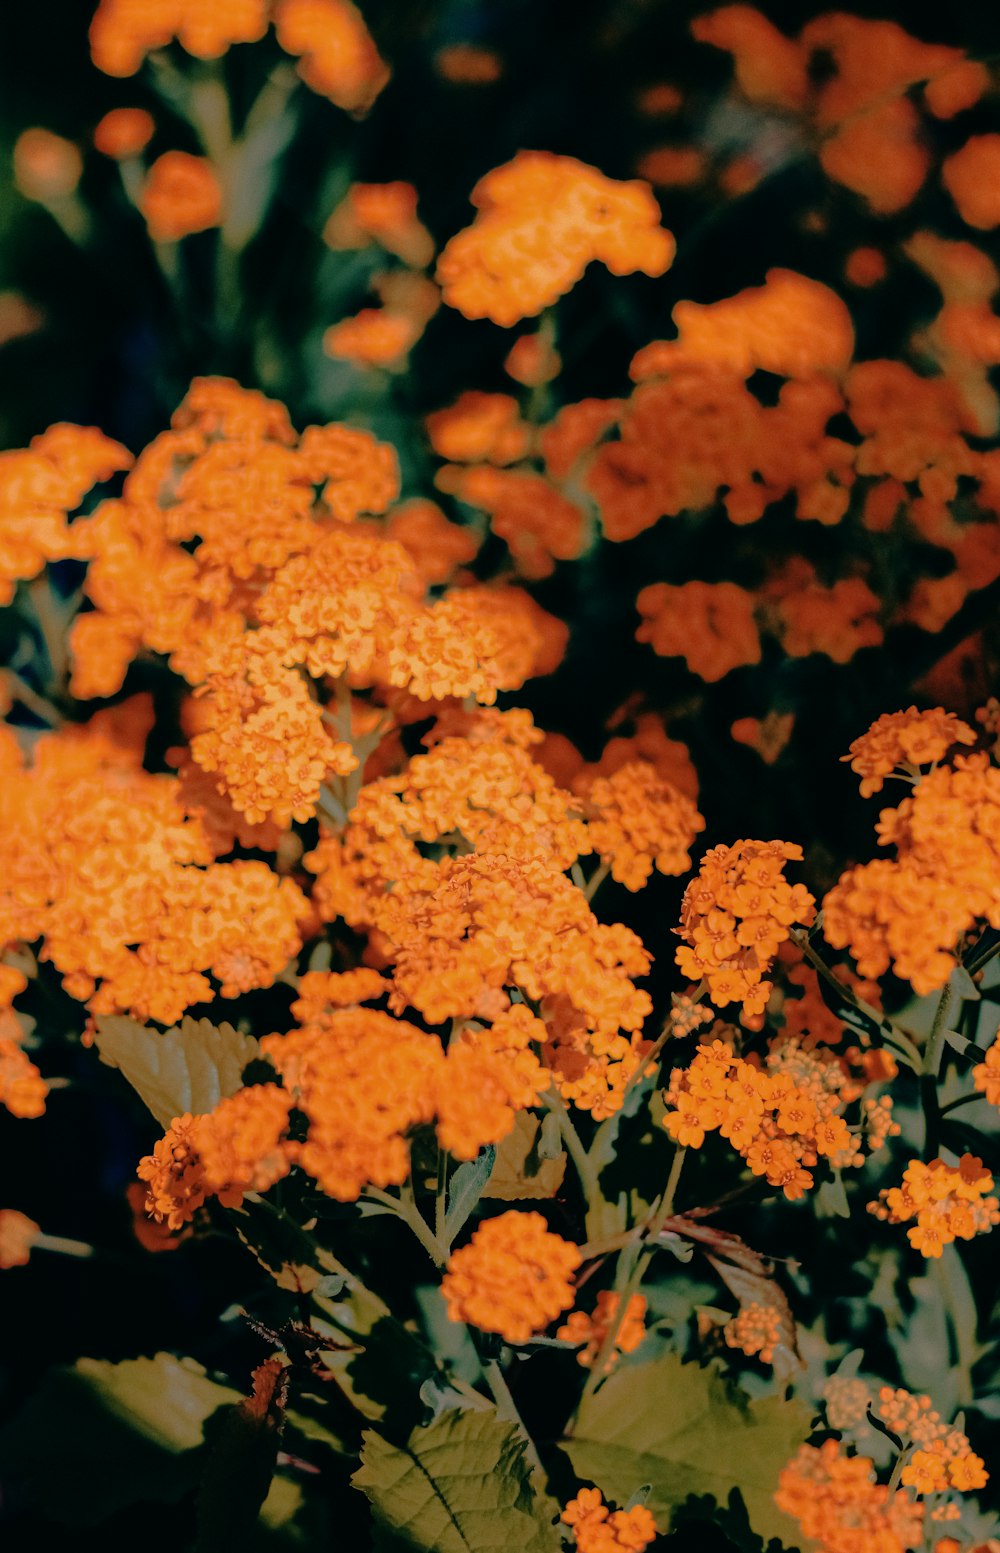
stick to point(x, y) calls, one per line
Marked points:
point(441, 1197)
point(665, 1207)
point(507, 1409)
point(595, 881)
point(951, 1275)
point(933, 1053)
point(411, 1216)
point(585, 1168)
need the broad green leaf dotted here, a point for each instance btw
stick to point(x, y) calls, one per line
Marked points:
point(521, 1171)
point(460, 1485)
point(189, 1068)
point(100, 1436)
point(684, 1431)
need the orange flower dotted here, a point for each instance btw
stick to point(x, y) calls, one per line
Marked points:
point(673, 167)
point(514, 1277)
point(735, 916)
point(910, 912)
point(710, 625)
point(755, 1330)
point(596, 1529)
point(17, 1236)
point(124, 31)
point(588, 1332)
point(236, 1148)
point(467, 64)
point(22, 1088)
point(865, 267)
point(46, 167)
point(972, 178)
point(480, 428)
point(637, 822)
point(947, 1203)
point(182, 194)
point(532, 360)
point(905, 739)
point(385, 213)
point(540, 524)
point(338, 57)
point(124, 132)
point(552, 215)
point(839, 1504)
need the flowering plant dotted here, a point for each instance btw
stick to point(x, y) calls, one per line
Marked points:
point(489, 1132)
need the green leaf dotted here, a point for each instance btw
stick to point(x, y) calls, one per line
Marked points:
point(98, 1437)
point(683, 1430)
point(189, 1068)
point(521, 1170)
point(467, 1186)
point(460, 1485)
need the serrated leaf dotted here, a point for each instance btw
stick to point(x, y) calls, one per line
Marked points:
point(98, 1437)
point(520, 1171)
point(189, 1068)
point(684, 1431)
point(460, 1485)
point(467, 1186)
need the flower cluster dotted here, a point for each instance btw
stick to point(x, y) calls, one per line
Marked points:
point(909, 913)
point(945, 1202)
point(597, 1529)
point(514, 1277)
point(590, 1331)
point(940, 1456)
point(232, 1150)
point(781, 1117)
point(839, 1503)
point(542, 219)
point(18, 1234)
point(735, 916)
point(905, 740)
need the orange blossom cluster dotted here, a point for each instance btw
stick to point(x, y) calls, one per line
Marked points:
point(596, 1529)
point(514, 1276)
point(945, 1202)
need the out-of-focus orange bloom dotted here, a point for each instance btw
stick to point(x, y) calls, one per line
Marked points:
point(659, 100)
point(770, 68)
point(17, 316)
point(375, 337)
point(123, 32)
point(514, 1276)
point(438, 547)
point(865, 266)
point(672, 167)
point(480, 428)
point(972, 178)
point(792, 326)
point(22, 1088)
point(46, 167)
point(878, 155)
point(468, 64)
point(768, 736)
point(385, 213)
point(338, 55)
point(182, 194)
point(957, 88)
point(540, 524)
point(638, 822)
point(17, 1236)
point(711, 626)
point(532, 360)
point(542, 219)
point(839, 1504)
point(124, 132)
